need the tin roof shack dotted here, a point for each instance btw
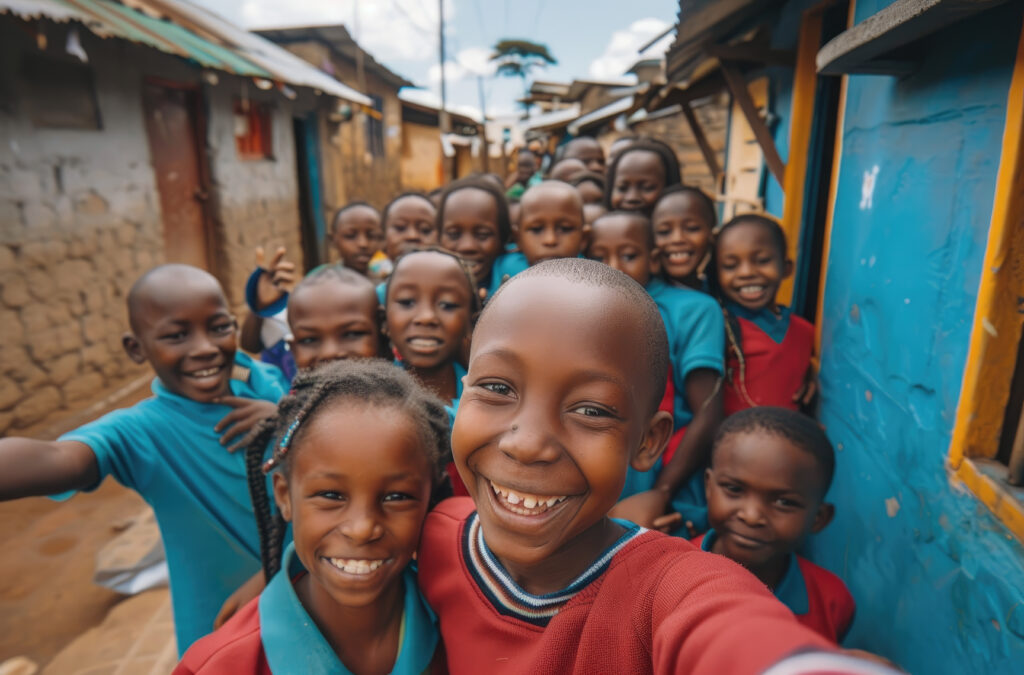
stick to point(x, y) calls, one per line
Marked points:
point(918, 159)
point(423, 149)
point(362, 152)
point(129, 138)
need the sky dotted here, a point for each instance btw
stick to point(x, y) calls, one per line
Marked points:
point(596, 39)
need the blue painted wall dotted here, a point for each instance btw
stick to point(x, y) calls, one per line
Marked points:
point(939, 583)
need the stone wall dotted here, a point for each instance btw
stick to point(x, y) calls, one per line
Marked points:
point(80, 220)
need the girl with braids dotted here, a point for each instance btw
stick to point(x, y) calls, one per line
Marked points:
point(769, 349)
point(357, 448)
point(429, 308)
point(684, 221)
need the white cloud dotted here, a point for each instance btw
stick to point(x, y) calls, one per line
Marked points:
point(468, 63)
point(622, 50)
point(390, 30)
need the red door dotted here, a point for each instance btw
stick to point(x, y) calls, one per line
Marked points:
point(175, 148)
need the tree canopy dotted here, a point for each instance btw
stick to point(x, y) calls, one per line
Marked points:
point(516, 58)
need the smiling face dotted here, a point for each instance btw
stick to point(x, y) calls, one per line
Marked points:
point(547, 425)
point(428, 309)
point(332, 320)
point(639, 180)
point(750, 265)
point(682, 232)
point(411, 222)
point(181, 325)
point(469, 227)
point(623, 242)
point(588, 151)
point(551, 223)
point(357, 236)
point(356, 493)
point(765, 494)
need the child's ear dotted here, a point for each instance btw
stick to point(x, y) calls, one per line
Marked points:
point(707, 483)
point(133, 348)
point(656, 436)
point(284, 504)
point(787, 269)
point(586, 237)
point(823, 517)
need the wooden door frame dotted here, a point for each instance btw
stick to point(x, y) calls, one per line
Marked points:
point(197, 111)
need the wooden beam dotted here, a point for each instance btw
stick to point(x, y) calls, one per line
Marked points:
point(805, 79)
point(738, 88)
point(753, 53)
point(702, 141)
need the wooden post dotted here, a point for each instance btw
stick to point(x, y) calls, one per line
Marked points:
point(738, 88)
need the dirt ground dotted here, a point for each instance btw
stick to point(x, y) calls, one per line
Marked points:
point(47, 597)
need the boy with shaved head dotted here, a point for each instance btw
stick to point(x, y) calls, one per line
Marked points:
point(167, 447)
point(566, 372)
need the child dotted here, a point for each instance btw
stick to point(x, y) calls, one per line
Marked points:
point(359, 448)
point(333, 314)
point(166, 447)
point(566, 169)
point(591, 187)
point(551, 224)
point(532, 576)
point(525, 176)
point(769, 348)
point(638, 176)
point(770, 471)
point(585, 149)
point(693, 322)
point(410, 221)
point(592, 212)
point(357, 235)
point(474, 223)
point(684, 220)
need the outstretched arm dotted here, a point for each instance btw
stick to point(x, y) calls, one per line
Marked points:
point(32, 468)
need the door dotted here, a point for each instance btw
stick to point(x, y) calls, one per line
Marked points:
point(311, 211)
point(176, 150)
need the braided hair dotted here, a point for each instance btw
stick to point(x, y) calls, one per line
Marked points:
point(733, 337)
point(355, 381)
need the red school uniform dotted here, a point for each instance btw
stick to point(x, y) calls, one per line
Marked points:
point(650, 603)
point(776, 355)
point(818, 598)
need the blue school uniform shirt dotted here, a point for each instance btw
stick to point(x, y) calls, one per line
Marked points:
point(696, 339)
point(506, 266)
point(293, 643)
point(165, 449)
point(460, 373)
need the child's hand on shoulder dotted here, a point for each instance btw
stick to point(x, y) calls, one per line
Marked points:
point(647, 509)
point(247, 413)
point(277, 279)
point(809, 389)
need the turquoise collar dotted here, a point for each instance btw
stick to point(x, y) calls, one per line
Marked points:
point(765, 319)
point(294, 644)
point(791, 590)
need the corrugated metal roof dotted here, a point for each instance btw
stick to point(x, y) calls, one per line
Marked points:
point(188, 32)
point(552, 119)
point(623, 105)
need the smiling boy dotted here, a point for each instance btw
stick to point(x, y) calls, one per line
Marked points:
point(167, 447)
point(536, 578)
point(551, 222)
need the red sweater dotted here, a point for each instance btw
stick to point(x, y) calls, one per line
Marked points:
point(829, 605)
point(234, 648)
point(660, 605)
point(773, 372)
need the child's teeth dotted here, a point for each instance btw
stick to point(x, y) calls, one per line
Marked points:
point(512, 497)
point(525, 504)
point(529, 502)
point(356, 566)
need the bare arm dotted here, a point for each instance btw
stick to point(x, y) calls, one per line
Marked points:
point(704, 396)
point(249, 338)
point(32, 468)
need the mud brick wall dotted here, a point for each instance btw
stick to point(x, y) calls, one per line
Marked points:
point(254, 202)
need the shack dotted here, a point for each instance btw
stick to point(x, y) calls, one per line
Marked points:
point(133, 134)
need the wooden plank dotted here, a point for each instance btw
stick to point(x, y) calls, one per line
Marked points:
point(856, 50)
point(702, 141)
point(753, 53)
point(805, 79)
point(738, 88)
